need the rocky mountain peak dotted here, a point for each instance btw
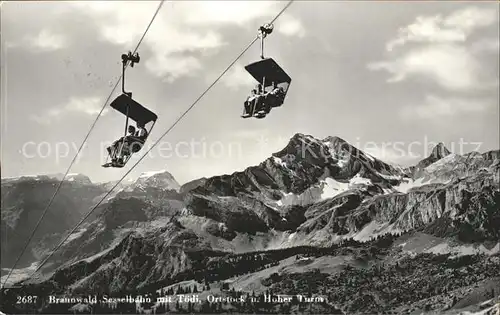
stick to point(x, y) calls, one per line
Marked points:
point(305, 145)
point(158, 179)
point(314, 200)
point(335, 140)
point(440, 151)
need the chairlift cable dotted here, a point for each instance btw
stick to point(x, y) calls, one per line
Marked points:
point(79, 150)
point(157, 141)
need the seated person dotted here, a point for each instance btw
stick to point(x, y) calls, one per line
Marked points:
point(275, 96)
point(132, 143)
point(249, 102)
point(112, 150)
point(142, 133)
point(259, 99)
point(136, 142)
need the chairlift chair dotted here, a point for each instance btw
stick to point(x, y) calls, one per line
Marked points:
point(132, 110)
point(267, 72)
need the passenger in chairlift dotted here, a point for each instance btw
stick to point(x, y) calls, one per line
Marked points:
point(114, 147)
point(275, 96)
point(250, 101)
point(139, 138)
point(142, 133)
point(259, 98)
point(276, 92)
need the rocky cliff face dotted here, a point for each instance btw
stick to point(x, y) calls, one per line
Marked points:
point(320, 193)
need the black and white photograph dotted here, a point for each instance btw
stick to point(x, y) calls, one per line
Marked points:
point(250, 157)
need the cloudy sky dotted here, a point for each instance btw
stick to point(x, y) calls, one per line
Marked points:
point(386, 76)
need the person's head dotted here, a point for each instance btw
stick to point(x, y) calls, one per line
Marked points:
point(140, 124)
point(131, 129)
point(254, 91)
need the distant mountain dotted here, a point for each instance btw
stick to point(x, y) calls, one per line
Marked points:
point(71, 177)
point(438, 152)
point(159, 179)
point(74, 177)
point(320, 217)
point(24, 199)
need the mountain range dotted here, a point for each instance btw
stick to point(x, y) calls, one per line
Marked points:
point(319, 219)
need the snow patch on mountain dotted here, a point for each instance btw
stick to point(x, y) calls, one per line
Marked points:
point(358, 180)
point(407, 184)
point(326, 188)
point(370, 157)
point(341, 157)
point(73, 177)
point(290, 199)
point(389, 177)
point(158, 179)
point(452, 158)
point(332, 188)
point(282, 162)
point(151, 173)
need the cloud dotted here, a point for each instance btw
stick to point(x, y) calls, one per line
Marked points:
point(45, 41)
point(49, 41)
point(472, 18)
point(182, 30)
point(436, 108)
point(290, 26)
point(88, 106)
point(171, 68)
point(438, 29)
point(441, 51)
point(452, 67)
point(486, 45)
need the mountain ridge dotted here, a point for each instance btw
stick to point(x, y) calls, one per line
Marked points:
point(322, 194)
